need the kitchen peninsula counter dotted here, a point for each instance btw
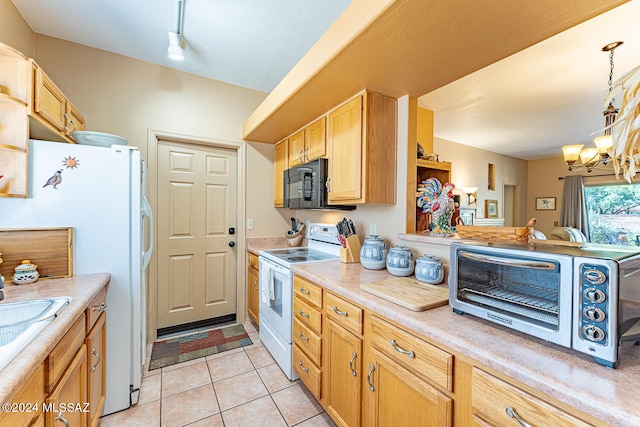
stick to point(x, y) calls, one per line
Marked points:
point(82, 289)
point(563, 374)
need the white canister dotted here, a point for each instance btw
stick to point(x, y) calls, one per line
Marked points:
point(400, 261)
point(373, 253)
point(25, 273)
point(429, 269)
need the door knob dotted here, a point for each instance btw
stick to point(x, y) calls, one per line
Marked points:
point(232, 244)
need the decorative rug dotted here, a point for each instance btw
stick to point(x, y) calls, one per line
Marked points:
point(199, 344)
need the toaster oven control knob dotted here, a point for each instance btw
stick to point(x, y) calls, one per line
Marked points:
point(595, 276)
point(593, 313)
point(594, 295)
point(593, 333)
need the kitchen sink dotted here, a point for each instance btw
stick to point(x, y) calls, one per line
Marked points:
point(21, 322)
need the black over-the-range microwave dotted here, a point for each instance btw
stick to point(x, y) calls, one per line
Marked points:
point(305, 187)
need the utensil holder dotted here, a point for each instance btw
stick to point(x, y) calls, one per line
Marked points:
point(351, 253)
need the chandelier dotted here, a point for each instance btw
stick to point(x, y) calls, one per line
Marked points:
point(592, 157)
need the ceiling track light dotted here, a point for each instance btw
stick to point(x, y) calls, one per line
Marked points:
point(176, 40)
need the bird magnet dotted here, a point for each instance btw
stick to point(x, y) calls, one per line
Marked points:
point(55, 180)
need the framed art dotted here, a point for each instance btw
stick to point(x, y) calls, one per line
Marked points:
point(491, 208)
point(545, 203)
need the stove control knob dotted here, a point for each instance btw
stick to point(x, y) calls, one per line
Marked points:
point(593, 333)
point(594, 313)
point(594, 295)
point(595, 276)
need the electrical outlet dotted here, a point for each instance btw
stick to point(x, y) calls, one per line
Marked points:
point(373, 229)
point(249, 224)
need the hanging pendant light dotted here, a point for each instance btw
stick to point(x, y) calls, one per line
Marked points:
point(176, 41)
point(592, 157)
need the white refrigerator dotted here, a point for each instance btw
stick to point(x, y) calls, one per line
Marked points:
point(100, 193)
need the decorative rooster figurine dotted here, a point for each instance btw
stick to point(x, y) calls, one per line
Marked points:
point(438, 201)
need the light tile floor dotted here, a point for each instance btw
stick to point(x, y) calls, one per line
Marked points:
point(241, 387)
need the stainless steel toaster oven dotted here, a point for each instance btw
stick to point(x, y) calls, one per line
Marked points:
point(568, 295)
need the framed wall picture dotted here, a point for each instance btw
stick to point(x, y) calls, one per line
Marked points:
point(491, 208)
point(545, 203)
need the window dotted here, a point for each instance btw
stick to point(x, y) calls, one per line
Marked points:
point(613, 212)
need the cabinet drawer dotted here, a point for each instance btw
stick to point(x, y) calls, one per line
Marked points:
point(253, 261)
point(307, 340)
point(96, 308)
point(345, 314)
point(307, 371)
point(61, 355)
point(491, 397)
point(308, 315)
point(426, 360)
point(308, 291)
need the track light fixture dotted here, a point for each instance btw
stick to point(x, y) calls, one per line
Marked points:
point(176, 40)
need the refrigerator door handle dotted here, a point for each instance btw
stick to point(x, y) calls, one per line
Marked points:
point(146, 211)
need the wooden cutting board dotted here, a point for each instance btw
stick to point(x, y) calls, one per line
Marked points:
point(409, 292)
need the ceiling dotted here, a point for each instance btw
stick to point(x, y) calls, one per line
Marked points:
point(249, 43)
point(525, 106)
point(551, 94)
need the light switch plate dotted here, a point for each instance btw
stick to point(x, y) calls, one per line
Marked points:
point(249, 224)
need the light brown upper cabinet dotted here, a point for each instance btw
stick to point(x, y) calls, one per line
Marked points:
point(31, 106)
point(361, 145)
point(308, 144)
point(280, 163)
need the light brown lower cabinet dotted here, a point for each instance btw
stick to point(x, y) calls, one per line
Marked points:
point(394, 396)
point(67, 403)
point(96, 369)
point(343, 372)
point(31, 394)
point(253, 289)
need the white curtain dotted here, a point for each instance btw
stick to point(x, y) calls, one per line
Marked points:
point(573, 212)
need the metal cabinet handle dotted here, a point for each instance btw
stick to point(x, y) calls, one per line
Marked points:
point(326, 184)
point(95, 353)
point(69, 123)
point(341, 313)
point(100, 307)
point(300, 156)
point(353, 357)
point(371, 369)
point(302, 336)
point(306, 155)
point(255, 284)
point(304, 291)
point(400, 350)
point(512, 414)
point(61, 419)
point(303, 314)
point(302, 367)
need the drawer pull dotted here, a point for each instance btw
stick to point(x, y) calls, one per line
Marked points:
point(371, 369)
point(100, 308)
point(304, 291)
point(512, 414)
point(302, 336)
point(407, 352)
point(302, 367)
point(61, 419)
point(303, 314)
point(255, 284)
point(341, 313)
point(95, 353)
point(353, 357)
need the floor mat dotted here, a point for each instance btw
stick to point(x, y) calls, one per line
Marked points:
point(199, 344)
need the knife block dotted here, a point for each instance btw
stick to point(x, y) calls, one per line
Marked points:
point(351, 253)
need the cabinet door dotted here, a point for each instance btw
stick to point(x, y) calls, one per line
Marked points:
point(394, 396)
point(253, 302)
point(49, 102)
point(31, 396)
point(315, 141)
point(342, 373)
point(296, 149)
point(280, 163)
point(65, 405)
point(96, 368)
point(344, 139)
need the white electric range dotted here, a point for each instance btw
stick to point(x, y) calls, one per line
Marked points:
point(276, 289)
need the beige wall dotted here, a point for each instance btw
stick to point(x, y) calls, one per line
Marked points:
point(14, 31)
point(469, 168)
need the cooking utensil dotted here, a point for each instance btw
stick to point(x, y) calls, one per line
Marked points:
point(294, 227)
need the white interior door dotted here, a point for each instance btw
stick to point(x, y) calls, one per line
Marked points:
point(197, 200)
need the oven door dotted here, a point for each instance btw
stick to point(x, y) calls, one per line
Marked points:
point(276, 298)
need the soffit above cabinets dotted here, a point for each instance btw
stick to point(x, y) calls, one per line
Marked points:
point(407, 47)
